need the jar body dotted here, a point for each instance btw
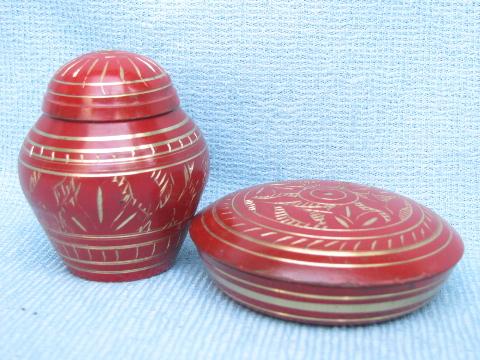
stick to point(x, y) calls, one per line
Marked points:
point(115, 198)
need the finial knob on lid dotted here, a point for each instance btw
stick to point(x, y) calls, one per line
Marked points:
point(108, 86)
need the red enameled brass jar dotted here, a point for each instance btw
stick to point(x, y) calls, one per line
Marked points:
point(114, 169)
point(325, 252)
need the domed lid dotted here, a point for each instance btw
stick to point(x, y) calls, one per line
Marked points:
point(108, 86)
point(327, 233)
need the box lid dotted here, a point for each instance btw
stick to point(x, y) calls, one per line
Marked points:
point(108, 86)
point(327, 233)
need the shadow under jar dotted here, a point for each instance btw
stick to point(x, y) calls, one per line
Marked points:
point(114, 169)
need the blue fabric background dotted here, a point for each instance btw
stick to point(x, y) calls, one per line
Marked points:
point(385, 93)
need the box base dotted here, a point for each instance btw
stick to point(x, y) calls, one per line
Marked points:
point(322, 305)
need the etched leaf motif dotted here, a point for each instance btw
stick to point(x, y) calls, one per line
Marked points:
point(187, 176)
point(318, 217)
point(34, 179)
point(384, 197)
point(367, 208)
point(165, 194)
point(281, 215)
point(404, 212)
point(342, 222)
point(132, 210)
point(250, 205)
point(277, 196)
point(370, 221)
point(100, 204)
point(67, 197)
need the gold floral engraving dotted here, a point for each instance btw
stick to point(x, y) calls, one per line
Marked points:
point(323, 264)
point(321, 235)
point(312, 242)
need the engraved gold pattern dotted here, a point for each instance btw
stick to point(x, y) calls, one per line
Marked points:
point(308, 250)
point(34, 179)
point(126, 221)
point(70, 66)
point(322, 264)
point(100, 204)
point(328, 207)
point(422, 218)
point(75, 73)
point(123, 173)
point(78, 223)
point(114, 159)
point(86, 75)
point(146, 63)
point(136, 69)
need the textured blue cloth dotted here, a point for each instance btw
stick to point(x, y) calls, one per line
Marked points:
point(381, 93)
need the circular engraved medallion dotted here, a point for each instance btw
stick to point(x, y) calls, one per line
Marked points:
point(331, 216)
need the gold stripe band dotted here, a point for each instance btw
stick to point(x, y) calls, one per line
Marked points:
point(115, 236)
point(321, 264)
point(113, 83)
point(111, 96)
point(339, 321)
point(346, 298)
point(115, 272)
point(109, 107)
point(112, 150)
point(326, 252)
point(328, 308)
point(112, 137)
point(108, 247)
point(118, 262)
point(99, 175)
point(115, 161)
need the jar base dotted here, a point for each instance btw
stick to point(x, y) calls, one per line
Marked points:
point(122, 277)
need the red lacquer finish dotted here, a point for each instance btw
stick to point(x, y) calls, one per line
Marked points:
point(114, 169)
point(325, 252)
